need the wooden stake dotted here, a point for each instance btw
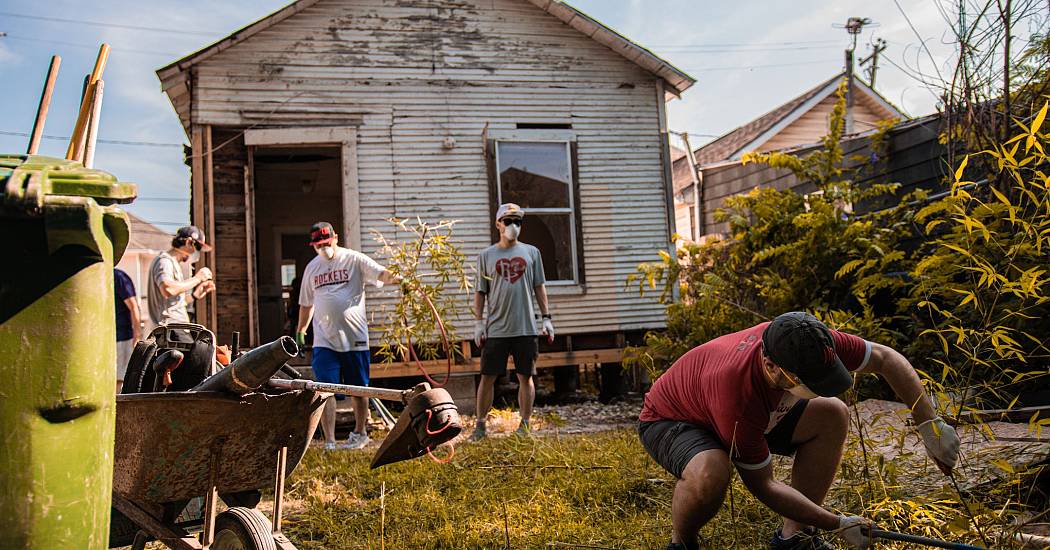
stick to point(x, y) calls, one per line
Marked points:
point(93, 121)
point(75, 149)
point(45, 103)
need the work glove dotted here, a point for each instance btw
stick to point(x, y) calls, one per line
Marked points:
point(300, 339)
point(479, 332)
point(548, 329)
point(941, 441)
point(855, 530)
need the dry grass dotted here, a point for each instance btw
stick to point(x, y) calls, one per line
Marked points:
point(601, 490)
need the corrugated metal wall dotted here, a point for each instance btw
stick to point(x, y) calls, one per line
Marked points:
point(410, 74)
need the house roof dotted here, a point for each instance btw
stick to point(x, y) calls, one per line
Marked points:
point(751, 135)
point(676, 80)
point(146, 236)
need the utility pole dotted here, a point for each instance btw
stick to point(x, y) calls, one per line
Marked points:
point(877, 48)
point(854, 26)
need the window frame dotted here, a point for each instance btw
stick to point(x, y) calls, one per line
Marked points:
point(573, 210)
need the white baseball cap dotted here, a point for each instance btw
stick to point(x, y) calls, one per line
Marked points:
point(509, 210)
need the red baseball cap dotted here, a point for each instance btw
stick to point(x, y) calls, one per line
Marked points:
point(321, 233)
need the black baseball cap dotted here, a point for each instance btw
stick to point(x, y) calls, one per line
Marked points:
point(800, 344)
point(196, 235)
point(321, 233)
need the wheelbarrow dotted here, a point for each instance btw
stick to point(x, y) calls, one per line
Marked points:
point(174, 447)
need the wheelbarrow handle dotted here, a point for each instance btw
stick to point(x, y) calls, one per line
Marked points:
point(925, 541)
point(342, 389)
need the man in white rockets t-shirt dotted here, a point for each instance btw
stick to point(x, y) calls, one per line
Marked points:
point(333, 296)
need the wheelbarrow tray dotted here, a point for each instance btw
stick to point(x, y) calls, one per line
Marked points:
point(175, 446)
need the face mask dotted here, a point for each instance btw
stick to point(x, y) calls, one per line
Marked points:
point(802, 391)
point(194, 256)
point(511, 232)
point(327, 251)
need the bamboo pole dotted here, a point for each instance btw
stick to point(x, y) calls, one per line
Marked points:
point(45, 103)
point(76, 149)
point(93, 122)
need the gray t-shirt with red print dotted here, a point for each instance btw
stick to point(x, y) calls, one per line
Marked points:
point(509, 277)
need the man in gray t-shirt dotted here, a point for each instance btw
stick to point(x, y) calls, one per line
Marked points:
point(167, 286)
point(509, 277)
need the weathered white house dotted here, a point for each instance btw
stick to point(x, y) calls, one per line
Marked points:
point(356, 111)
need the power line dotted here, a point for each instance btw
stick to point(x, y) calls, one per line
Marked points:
point(739, 50)
point(105, 24)
point(89, 46)
point(109, 141)
point(771, 66)
point(732, 44)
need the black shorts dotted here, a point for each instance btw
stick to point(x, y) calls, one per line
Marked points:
point(494, 355)
point(672, 444)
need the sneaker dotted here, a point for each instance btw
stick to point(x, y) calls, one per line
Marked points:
point(524, 429)
point(479, 433)
point(357, 441)
point(806, 539)
point(330, 445)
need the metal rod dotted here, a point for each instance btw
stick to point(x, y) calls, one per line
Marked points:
point(925, 541)
point(93, 121)
point(356, 391)
point(278, 489)
point(45, 103)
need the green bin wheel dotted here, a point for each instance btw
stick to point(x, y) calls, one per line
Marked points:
point(243, 529)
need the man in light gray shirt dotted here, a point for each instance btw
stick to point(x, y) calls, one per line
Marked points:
point(168, 286)
point(509, 276)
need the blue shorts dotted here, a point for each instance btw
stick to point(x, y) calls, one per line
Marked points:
point(341, 367)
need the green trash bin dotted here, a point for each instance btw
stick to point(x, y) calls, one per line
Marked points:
point(63, 233)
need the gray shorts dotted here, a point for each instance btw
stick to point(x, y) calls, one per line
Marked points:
point(672, 443)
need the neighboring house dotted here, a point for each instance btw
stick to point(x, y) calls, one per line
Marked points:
point(801, 122)
point(356, 112)
point(145, 242)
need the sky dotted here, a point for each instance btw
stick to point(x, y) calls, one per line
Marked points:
point(747, 56)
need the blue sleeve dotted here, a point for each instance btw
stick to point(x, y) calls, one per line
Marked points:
point(123, 287)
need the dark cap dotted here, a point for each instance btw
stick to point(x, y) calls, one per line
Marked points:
point(800, 344)
point(321, 233)
point(193, 234)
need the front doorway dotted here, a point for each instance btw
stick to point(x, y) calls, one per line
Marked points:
point(294, 186)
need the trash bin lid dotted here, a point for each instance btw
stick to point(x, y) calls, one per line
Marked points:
point(27, 179)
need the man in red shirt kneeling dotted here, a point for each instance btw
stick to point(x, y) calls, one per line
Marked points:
point(771, 389)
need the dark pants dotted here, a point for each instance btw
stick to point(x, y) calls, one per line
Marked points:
point(494, 355)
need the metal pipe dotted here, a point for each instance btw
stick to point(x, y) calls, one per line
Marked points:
point(925, 541)
point(251, 370)
point(343, 389)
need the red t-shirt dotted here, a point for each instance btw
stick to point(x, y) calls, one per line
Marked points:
point(720, 386)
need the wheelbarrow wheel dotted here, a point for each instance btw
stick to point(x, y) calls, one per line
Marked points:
point(243, 529)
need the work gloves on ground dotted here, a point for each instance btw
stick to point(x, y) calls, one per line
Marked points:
point(855, 530)
point(548, 329)
point(941, 441)
point(479, 332)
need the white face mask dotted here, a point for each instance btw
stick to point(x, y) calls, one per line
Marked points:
point(802, 391)
point(194, 256)
point(327, 251)
point(511, 232)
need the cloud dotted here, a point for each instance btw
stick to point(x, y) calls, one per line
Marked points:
point(8, 58)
